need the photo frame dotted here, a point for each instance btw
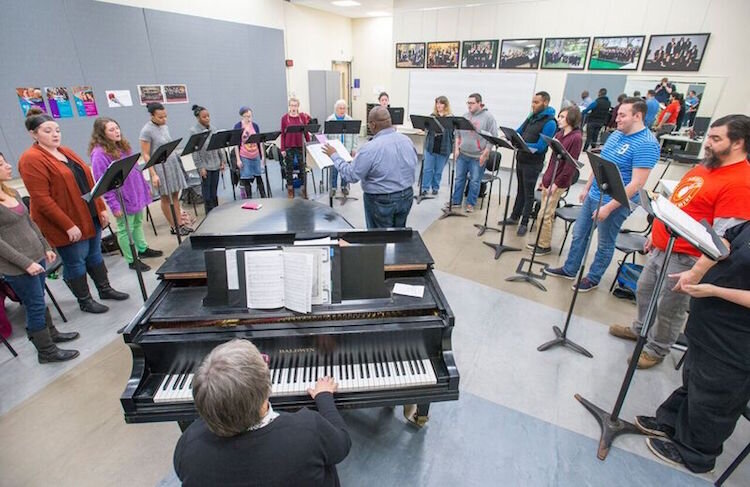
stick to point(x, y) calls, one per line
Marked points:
point(410, 54)
point(443, 55)
point(479, 54)
point(621, 53)
point(675, 52)
point(520, 53)
point(565, 52)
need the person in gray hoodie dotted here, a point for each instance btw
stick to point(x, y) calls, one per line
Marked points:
point(210, 164)
point(471, 151)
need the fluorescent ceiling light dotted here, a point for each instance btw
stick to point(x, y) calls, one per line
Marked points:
point(378, 13)
point(346, 3)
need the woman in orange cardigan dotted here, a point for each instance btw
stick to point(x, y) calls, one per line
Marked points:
point(56, 178)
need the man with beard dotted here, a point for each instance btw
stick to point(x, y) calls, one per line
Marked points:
point(718, 190)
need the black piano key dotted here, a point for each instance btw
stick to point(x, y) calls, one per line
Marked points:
point(184, 378)
point(351, 365)
point(296, 368)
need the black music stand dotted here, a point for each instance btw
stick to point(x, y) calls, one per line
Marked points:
point(225, 138)
point(340, 127)
point(611, 424)
point(454, 124)
point(528, 275)
point(112, 180)
point(496, 142)
point(397, 115)
point(305, 130)
point(160, 156)
point(608, 178)
point(195, 142)
point(517, 144)
point(261, 139)
point(426, 123)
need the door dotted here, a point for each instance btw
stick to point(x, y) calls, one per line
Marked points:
point(345, 68)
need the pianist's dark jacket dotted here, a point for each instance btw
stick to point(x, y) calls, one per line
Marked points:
point(300, 449)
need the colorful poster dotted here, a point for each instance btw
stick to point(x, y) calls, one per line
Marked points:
point(59, 102)
point(85, 103)
point(176, 93)
point(29, 97)
point(150, 94)
point(119, 98)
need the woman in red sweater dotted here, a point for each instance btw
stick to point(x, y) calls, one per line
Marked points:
point(292, 144)
point(56, 178)
point(571, 138)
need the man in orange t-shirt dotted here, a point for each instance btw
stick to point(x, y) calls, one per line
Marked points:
point(717, 190)
point(670, 114)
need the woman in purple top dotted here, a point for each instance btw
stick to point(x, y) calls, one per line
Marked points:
point(108, 145)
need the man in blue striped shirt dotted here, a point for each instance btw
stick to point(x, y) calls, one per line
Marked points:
point(635, 151)
point(386, 166)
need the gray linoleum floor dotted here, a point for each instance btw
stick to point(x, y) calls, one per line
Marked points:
point(515, 424)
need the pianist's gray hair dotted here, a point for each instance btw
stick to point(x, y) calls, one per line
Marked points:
point(231, 387)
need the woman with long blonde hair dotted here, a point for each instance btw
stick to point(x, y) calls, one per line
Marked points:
point(437, 149)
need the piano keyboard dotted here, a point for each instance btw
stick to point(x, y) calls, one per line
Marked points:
point(302, 372)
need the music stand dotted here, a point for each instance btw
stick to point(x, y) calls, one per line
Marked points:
point(195, 142)
point(112, 180)
point(516, 144)
point(340, 127)
point(261, 139)
point(496, 142)
point(528, 275)
point(454, 124)
point(305, 130)
point(225, 138)
point(426, 123)
point(160, 156)
point(611, 424)
point(608, 178)
point(397, 115)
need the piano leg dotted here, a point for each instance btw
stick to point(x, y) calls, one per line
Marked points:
point(184, 425)
point(417, 414)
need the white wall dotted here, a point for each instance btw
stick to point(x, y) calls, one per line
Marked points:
point(372, 61)
point(726, 20)
point(312, 38)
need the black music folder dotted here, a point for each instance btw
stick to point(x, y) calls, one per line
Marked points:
point(363, 272)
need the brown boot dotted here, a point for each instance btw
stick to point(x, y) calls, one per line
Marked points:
point(622, 332)
point(646, 360)
point(290, 192)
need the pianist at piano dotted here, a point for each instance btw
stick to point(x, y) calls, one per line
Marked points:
point(240, 440)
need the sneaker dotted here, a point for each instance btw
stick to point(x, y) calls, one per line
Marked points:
point(522, 229)
point(665, 451)
point(448, 205)
point(183, 231)
point(508, 221)
point(586, 285)
point(423, 193)
point(625, 332)
point(149, 252)
point(332, 192)
point(558, 272)
point(650, 426)
point(540, 250)
point(434, 192)
point(187, 228)
point(469, 209)
point(138, 264)
point(646, 360)
point(345, 190)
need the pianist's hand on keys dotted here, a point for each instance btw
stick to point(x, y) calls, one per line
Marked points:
point(324, 384)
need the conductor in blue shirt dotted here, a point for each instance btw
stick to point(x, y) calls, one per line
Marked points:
point(386, 167)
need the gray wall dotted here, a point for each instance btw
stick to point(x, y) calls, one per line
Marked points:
point(110, 47)
point(578, 82)
point(325, 90)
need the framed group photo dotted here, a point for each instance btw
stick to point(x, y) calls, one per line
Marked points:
point(520, 53)
point(565, 53)
point(616, 53)
point(410, 54)
point(443, 54)
point(479, 54)
point(675, 52)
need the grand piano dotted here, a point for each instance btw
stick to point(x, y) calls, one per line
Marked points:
point(384, 351)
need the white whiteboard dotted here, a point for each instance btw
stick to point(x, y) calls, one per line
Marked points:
point(507, 96)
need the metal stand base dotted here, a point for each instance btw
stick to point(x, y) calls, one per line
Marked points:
point(420, 197)
point(484, 228)
point(449, 212)
point(610, 429)
point(343, 199)
point(565, 342)
point(500, 248)
point(528, 275)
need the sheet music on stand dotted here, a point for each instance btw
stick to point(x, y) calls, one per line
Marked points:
point(321, 159)
point(698, 234)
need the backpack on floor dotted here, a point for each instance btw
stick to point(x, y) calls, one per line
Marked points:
point(627, 281)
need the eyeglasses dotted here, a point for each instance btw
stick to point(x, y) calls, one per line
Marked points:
point(471, 103)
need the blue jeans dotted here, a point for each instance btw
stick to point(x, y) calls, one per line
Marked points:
point(335, 177)
point(388, 210)
point(467, 165)
point(432, 171)
point(30, 290)
point(607, 230)
point(78, 256)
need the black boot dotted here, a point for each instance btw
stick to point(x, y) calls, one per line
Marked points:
point(47, 350)
point(58, 336)
point(99, 275)
point(261, 187)
point(80, 289)
point(248, 188)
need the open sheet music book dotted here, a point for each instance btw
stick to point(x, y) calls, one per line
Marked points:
point(321, 159)
point(701, 237)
